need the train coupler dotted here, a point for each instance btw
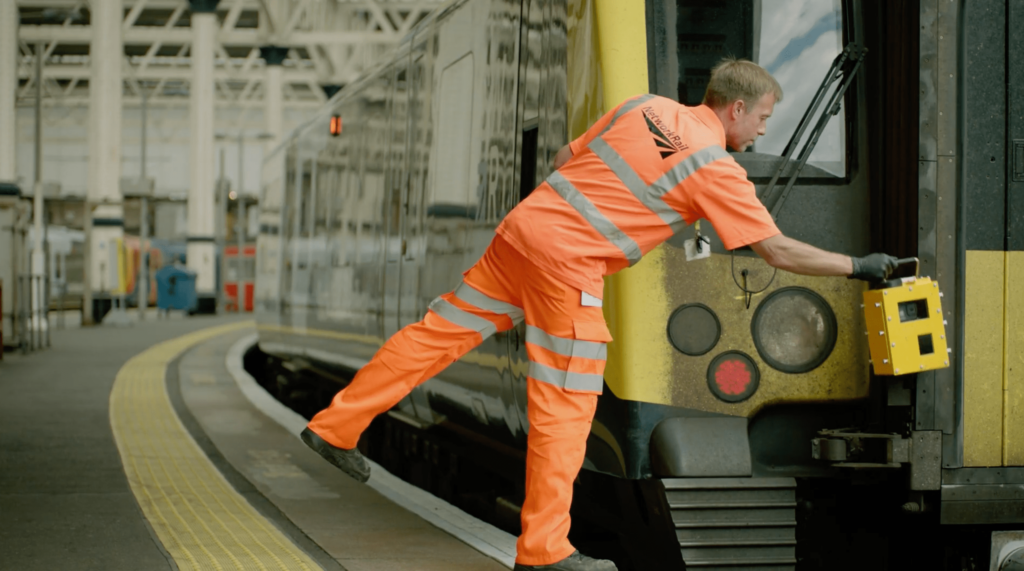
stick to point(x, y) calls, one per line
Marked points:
point(922, 451)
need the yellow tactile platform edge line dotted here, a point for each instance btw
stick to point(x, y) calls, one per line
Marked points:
point(201, 520)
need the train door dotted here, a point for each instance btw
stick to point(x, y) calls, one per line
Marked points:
point(300, 248)
point(315, 234)
point(412, 306)
point(271, 268)
point(371, 194)
point(542, 132)
point(992, 236)
point(396, 193)
point(475, 55)
point(290, 220)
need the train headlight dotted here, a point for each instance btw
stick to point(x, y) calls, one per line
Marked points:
point(733, 376)
point(694, 329)
point(794, 330)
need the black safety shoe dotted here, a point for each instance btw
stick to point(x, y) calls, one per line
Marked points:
point(575, 562)
point(350, 461)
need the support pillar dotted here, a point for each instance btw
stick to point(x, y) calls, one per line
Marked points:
point(38, 281)
point(9, 191)
point(106, 55)
point(8, 89)
point(201, 249)
point(274, 170)
point(274, 57)
point(273, 96)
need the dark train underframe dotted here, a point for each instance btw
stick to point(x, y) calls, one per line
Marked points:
point(863, 521)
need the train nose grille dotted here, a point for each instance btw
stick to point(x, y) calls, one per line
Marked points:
point(732, 524)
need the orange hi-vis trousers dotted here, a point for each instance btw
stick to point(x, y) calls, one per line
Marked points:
point(566, 340)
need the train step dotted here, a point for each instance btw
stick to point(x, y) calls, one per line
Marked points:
point(734, 524)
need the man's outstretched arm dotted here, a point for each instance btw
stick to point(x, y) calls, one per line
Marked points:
point(800, 258)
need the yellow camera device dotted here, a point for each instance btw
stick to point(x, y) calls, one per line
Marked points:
point(906, 332)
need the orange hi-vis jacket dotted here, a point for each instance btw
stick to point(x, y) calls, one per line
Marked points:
point(642, 173)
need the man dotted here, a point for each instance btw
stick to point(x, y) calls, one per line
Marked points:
point(639, 175)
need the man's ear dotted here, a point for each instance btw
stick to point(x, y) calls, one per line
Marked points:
point(736, 109)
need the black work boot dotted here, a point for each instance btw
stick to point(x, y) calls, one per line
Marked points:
point(575, 562)
point(350, 461)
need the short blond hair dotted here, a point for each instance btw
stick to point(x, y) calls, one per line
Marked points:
point(739, 79)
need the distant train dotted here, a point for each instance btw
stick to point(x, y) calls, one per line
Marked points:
point(807, 461)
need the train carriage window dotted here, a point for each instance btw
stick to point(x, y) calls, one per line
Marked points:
point(288, 209)
point(323, 181)
point(307, 198)
point(452, 172)
point(344, 207)
point(795, 40)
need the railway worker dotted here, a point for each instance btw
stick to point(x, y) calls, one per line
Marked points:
point(639, 175)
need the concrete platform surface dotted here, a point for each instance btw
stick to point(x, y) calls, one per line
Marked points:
point(66, 503)
point(355, 525)
point(64, 499)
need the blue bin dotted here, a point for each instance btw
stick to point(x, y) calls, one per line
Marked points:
point(176, 288)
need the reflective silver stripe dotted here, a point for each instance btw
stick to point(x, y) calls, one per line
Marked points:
point(566, 347)
point(463, 318)
point(687, 167)
point(476, 298)
point(619, 166)
point(566, 379)
point(626, 108)
point(651, 196)
point(591, 214)
point(645, 194)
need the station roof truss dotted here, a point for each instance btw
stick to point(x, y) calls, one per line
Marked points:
point(330, 42)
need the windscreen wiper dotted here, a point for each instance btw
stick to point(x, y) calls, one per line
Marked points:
point(844, 68)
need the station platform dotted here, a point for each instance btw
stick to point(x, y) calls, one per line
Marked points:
point(149, 447)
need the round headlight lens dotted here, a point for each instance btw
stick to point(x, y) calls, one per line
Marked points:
point(794, 330)
point(694, 329)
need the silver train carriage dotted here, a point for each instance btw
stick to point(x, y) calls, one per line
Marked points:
point(806, 460)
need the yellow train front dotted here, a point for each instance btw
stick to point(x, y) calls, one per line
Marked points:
point(742, 426)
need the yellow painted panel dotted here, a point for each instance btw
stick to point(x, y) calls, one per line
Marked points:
point(637, 309)
point(983, 358)
point(1013, 411)
point(843, 377)
point(637, 304)
point(585, 99)
point(622, 41)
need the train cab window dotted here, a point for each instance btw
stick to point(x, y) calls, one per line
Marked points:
point(795, 40)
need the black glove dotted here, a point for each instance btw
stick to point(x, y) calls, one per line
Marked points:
point(873, 267)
